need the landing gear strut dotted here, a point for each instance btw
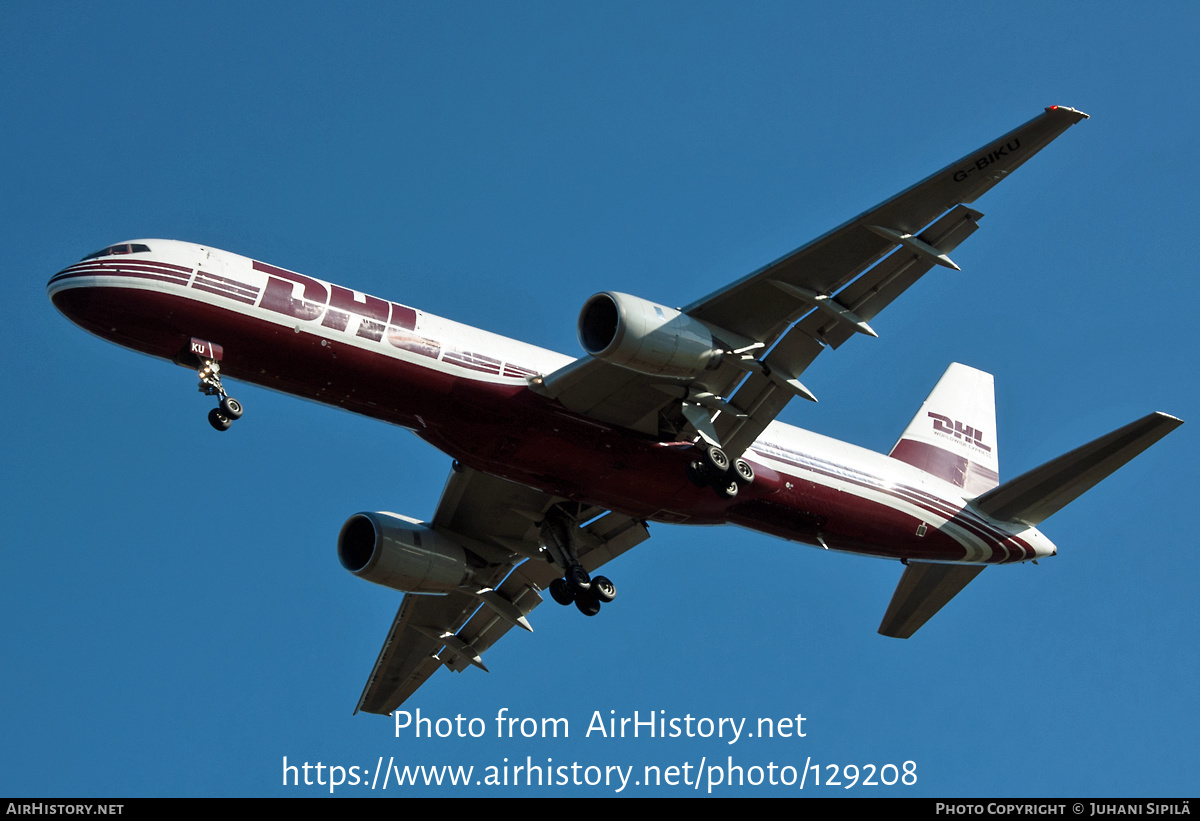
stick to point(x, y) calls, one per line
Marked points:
point(714, 469)
point(228, 409)
point(576, 586)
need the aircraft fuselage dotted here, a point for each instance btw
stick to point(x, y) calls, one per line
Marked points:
point(466, 391)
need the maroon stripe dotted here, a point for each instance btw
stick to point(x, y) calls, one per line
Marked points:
point(471, 364)
point(73, 272)
point(199, 286)
point(227, 281)
point(227, 284)
point(934, 504)
point(927, 502)
point(478, 357)
point(129, 264)
point(63, 275)
point(172, 278)
point(164, 277)
point(939, 462)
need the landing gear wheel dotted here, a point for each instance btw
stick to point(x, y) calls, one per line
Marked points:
point(228, 409)
point(716, 460)
point(743, 472)
point(561, 593)
point(696, 474)
point(726, 488)
point(604, 589)
point(578, 581)
point(231, 408)
point(587, 603)
point(219, 420)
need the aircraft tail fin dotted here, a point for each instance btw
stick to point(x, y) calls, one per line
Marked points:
point(1043, 491)
point(953, 435)
point(923, 590)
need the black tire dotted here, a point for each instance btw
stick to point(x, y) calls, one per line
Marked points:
point(231, 408)
point(743, 472)
point(726, 489)
point(604, 589)
point(219, 420)
point(577, 580)
point(561, 593)
point(588, 604)
point(696, 475)
point(716, 460)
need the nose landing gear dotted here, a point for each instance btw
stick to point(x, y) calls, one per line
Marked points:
point(228, 409)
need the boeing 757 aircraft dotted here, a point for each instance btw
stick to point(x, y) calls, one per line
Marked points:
point(560, 464)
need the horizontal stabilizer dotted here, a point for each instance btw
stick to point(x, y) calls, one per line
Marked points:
point(1043, 491)
point(923, 590)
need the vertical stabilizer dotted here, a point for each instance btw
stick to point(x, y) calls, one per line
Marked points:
point(953, 436)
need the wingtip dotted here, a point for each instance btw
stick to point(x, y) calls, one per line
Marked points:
point(1079, 115)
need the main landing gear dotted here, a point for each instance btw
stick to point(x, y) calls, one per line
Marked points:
point(714, 469)
point(576, 587)
point(228, 409)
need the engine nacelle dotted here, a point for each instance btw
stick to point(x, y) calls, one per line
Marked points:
point(401, 553)
point(645, 337)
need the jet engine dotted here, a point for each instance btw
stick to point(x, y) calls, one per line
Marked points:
point(401, 553)
point(645, 337)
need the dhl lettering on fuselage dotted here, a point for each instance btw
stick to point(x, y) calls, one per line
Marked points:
point(376, 317)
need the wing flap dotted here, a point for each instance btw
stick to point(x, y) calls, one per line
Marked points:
point(486, 626)
point(868, 295)
point(431, 631)
point(763, 395)
point(408, 656)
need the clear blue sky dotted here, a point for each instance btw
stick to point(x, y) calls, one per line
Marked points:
point(174, 617)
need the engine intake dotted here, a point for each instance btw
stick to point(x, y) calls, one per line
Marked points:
point(401, 553)
point(646, 337)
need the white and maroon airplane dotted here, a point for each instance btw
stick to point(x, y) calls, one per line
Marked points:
point(560, 463)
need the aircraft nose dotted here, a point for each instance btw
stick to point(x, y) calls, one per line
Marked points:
point(69, 293)
point(78, 291)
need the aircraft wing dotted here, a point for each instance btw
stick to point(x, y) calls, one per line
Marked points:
point(499, 523)
point(818, 296)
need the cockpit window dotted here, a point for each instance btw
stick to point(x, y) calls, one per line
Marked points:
point(123, 248)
